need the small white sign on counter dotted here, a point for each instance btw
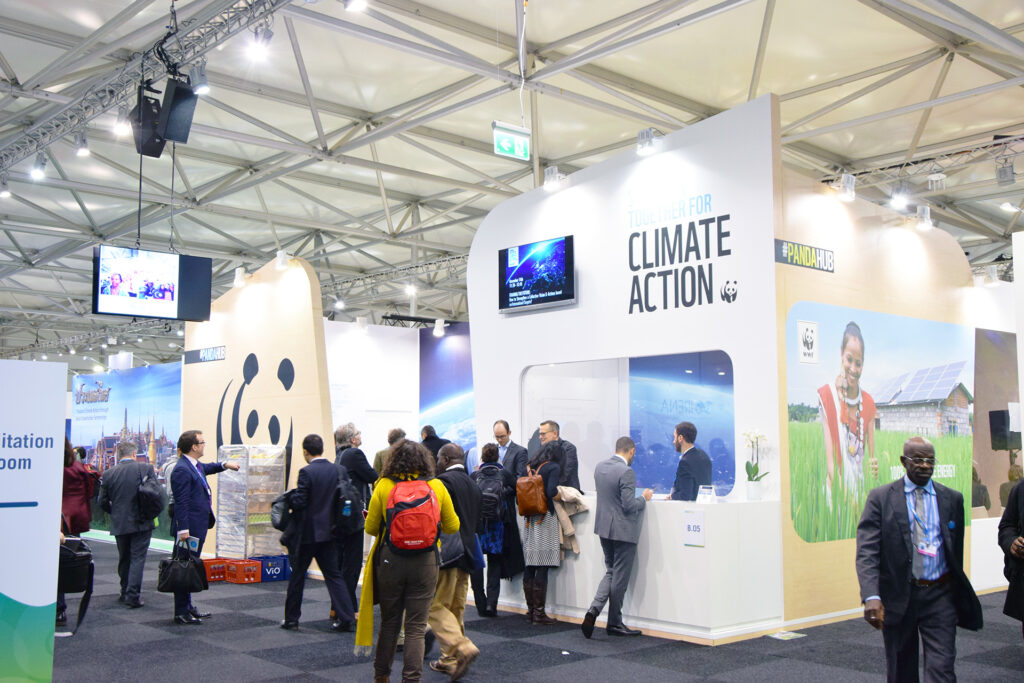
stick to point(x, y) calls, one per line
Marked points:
point(693, 528)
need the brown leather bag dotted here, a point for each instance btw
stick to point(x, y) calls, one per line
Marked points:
point(530, 493)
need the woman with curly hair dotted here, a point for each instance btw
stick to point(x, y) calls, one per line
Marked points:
point(400, 582)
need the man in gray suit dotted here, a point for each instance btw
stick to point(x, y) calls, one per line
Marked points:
point(617, 522)
point(910, 564)
point(118, 492)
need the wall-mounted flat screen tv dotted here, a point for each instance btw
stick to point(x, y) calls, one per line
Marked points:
point(537, 274)
point(150, 284)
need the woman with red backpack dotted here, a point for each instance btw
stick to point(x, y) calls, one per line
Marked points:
point(408, 511)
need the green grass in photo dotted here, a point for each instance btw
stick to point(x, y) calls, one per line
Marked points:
point(815, 521)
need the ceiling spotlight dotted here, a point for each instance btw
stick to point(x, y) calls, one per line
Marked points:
point(646, 142)
point(71, 350)
point(355, 5)
point(339, 305)
point(847, 188)
point(181, 332)
point(5, 190)
point(259, 46)
point(924, 218)
point(112, 340)
point(171, 345)
point(282, 259)
point(900, 196)
point(1005, 206)
point(81, 144)
point(43, 356)
point(410, 289)
point(197, 78)
point(97, 368)
point(553, 180)
point(38, 171)
point(439, 327)
point(122, 126)
point(138, 340)
point(239, 276)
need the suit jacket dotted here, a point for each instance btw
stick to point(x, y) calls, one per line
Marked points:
point(570, 475)
point(434, 444)
point(693, 471)
point(315, 493)
point(1011, 525)
point(359, 471)
point(885, 551)
point(193, 508)
point(619, 511)
point(118, 490)
point(515, 460)
point(466, 499)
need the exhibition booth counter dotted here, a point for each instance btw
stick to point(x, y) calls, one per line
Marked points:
point(706, 573)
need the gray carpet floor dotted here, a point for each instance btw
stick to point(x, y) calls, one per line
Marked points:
point(242, 642)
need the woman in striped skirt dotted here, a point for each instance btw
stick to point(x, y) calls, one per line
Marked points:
point(539, 534)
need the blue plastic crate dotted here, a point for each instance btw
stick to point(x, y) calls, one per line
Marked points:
point(273, 567)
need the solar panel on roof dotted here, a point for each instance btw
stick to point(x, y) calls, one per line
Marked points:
point(926, 384)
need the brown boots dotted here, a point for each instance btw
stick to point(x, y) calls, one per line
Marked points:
point(540, 596)
point(528, 593)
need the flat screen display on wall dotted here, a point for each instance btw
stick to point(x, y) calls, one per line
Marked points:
point(150, 284)
point(536, 274)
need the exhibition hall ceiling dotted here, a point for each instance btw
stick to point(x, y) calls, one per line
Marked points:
point(362, 141)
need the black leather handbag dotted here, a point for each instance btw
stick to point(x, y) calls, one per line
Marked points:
point(75, 575)
point(181, 572)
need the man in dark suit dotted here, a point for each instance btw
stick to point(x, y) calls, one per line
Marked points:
point(193, 509)
point(617, 523)
point(119, 490)
point(694, 469)
point(430, 439)
point(910, 552)
point(449, 603)
point(569, 476)
point(1011, 540)
point(513, 456)
point(315, 496)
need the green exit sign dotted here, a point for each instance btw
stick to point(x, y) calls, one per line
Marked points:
point(511, 141)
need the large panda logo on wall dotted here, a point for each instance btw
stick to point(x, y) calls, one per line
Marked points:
point(250, 369)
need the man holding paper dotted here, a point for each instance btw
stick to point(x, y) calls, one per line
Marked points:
point(193, 509)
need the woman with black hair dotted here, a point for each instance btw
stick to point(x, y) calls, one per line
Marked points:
point(400, 582)
point(539, 534)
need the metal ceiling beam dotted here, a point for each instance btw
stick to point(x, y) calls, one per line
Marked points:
point(216, 22)
point(881, 116)
point(304, 77)
point(762, 45)
point(979, 29)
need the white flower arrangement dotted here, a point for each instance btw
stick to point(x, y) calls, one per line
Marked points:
point(753, 439)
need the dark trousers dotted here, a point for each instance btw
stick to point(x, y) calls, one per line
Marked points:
point(618, 563)
point(350, 561)
point(131, 553)
point(932, 614)
point(183, 601)
point(488, 598)
point(327, 558)
point(403, 582)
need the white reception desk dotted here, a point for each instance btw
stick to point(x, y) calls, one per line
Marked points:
point(730, 587)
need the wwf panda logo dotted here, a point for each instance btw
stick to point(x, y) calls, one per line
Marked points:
point(250, 369)
point(729, 291)
point(808, 339)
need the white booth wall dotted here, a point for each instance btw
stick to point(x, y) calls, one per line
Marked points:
point(731, 163)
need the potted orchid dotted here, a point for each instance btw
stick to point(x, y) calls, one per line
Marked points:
point(753, 439)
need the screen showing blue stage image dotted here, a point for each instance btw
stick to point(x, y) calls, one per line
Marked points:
point(666, 390)
point(539, 273)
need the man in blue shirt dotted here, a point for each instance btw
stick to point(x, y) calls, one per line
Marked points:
point(910, 550)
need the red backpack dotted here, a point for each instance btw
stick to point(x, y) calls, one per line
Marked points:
point(413, 517)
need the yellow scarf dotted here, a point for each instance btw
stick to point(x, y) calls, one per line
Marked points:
point(364, 626)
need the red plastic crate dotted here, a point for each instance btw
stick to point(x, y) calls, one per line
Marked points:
point(216, 568)
point(242, 571)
